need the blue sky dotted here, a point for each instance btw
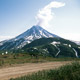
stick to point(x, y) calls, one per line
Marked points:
point(16, 16)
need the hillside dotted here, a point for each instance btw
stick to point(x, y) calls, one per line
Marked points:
point(37, 41)
point(56, 47)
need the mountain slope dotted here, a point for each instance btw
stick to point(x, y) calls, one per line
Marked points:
point(35, 32)
point(56, 47)
point(20, 41)
point(38, 41)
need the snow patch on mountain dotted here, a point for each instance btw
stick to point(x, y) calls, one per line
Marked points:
point(76, 53)
point(69, 45)
point(79, 47)
point(58, 51)
point(55, 43)
point(65, 44)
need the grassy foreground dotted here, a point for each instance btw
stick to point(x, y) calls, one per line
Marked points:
point(67, 72)
point(12, 59)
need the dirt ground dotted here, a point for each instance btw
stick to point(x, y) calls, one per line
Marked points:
point(28, 68)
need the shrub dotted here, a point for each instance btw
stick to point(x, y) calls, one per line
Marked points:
point(67, 72)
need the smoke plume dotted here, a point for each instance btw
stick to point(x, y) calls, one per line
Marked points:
point(45, 14)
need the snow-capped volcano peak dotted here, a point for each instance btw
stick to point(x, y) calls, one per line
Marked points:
point(35, 32)
point(31, 34)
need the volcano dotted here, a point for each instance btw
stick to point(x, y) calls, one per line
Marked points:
point(35, 32)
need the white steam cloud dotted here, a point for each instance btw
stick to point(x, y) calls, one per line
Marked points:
point(45, 15)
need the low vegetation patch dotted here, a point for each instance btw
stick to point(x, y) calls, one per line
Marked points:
point(67, 72)
point(20, 58)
